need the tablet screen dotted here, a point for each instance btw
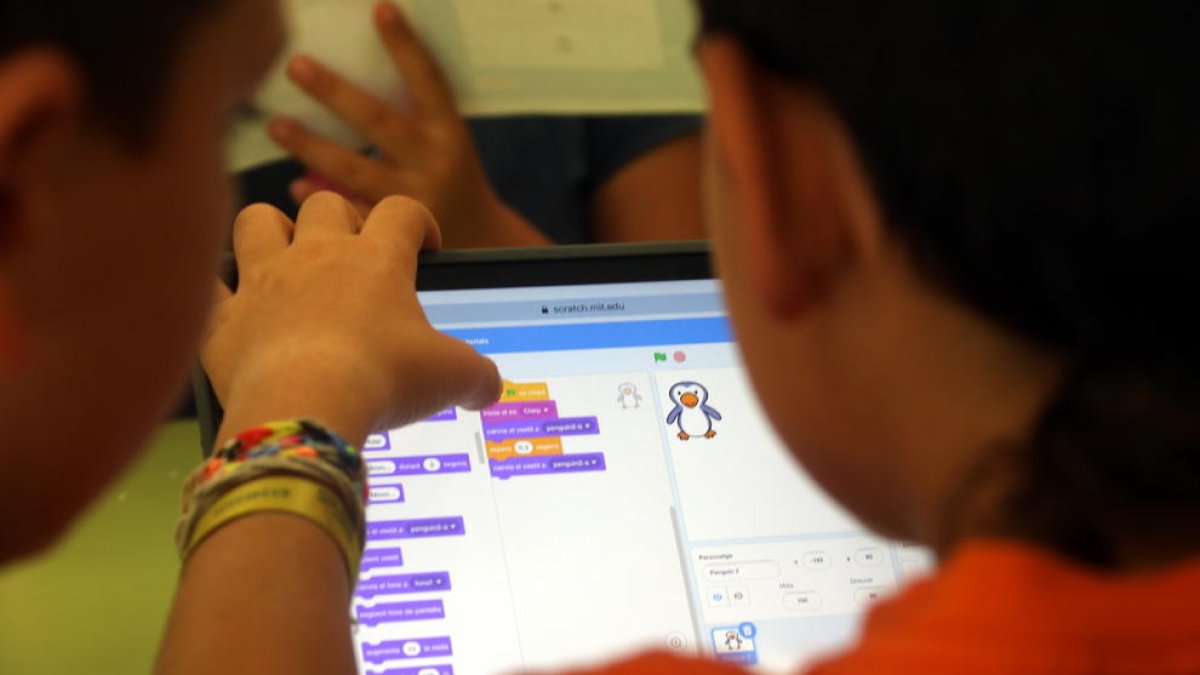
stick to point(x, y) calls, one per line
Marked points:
point(625, 494)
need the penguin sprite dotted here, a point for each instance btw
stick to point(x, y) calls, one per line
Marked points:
point(692, 414)
point(629, 396)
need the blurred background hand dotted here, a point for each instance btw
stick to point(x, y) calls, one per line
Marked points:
point(491, 181)
point(423, 151)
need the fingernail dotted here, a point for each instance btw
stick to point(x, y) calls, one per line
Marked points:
point(302, 70)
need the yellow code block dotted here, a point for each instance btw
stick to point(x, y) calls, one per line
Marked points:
point(524, 391)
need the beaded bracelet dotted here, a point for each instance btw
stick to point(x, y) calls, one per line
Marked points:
point(303, 438)
point(294, 467)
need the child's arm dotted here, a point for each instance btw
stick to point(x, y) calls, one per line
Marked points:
point(265, 594)
point(325, 325)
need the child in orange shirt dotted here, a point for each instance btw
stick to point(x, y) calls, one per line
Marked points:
point(956, 240)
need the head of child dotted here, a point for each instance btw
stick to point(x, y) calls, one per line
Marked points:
point(113, 204)
point(958, 242)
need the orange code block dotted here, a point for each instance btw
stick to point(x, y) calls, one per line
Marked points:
point(524, 447)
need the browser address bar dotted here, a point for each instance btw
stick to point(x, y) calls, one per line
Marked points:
point(575, 308)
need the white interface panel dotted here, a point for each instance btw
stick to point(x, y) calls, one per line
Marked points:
point(625, 494)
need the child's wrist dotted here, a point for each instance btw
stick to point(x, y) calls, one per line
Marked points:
point(283, 494)
point(295, 467)
point(336, 383)
point(343, 410)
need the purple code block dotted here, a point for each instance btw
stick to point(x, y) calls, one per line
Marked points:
point(419, 465)
point(403, 583)
point(418, 528)
point(422, 670)
point(395, 612)
point(381, 557)
point(418, 648)
point(376, 442)
point(386, 494)
point(533, 466)
point(565, 426)
point(519, 410)
point(447, 415)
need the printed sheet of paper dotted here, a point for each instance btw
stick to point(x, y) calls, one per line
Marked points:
point(552, 34)
point(502, 57)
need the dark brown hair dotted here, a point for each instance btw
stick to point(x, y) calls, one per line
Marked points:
point(126, 50)
point(1041, 161)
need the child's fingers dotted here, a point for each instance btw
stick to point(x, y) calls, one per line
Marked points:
point(326, 214)
point(444, 372)
point(259, 232)
point(471, 379)
point(365, 177)
point(303, 188)
point(406, 224)
point(427, 84)
point(375, 120)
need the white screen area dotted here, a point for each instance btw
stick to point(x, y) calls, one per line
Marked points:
point(573, 524)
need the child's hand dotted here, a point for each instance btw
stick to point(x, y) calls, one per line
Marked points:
point(325, 323)
point(426, 150)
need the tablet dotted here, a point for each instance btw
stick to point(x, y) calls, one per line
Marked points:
point(625, 494)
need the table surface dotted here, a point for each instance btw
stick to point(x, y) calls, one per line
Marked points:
point(97, 602)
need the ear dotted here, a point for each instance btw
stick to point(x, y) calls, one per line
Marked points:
point(40, 99)
point(777, 144)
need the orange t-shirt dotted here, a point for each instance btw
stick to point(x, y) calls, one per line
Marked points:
point(1006, 608)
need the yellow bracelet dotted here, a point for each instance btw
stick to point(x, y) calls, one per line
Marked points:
point(285, 494)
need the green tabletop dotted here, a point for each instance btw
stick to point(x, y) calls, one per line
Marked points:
point(97, 601)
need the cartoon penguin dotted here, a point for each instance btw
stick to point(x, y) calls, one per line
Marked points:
point(691, 413)
point(629, 398)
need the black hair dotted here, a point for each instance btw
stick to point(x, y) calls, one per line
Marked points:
point(125, 50)
point(1041, 162)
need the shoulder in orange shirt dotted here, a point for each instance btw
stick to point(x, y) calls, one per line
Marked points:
point(1002, 608)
